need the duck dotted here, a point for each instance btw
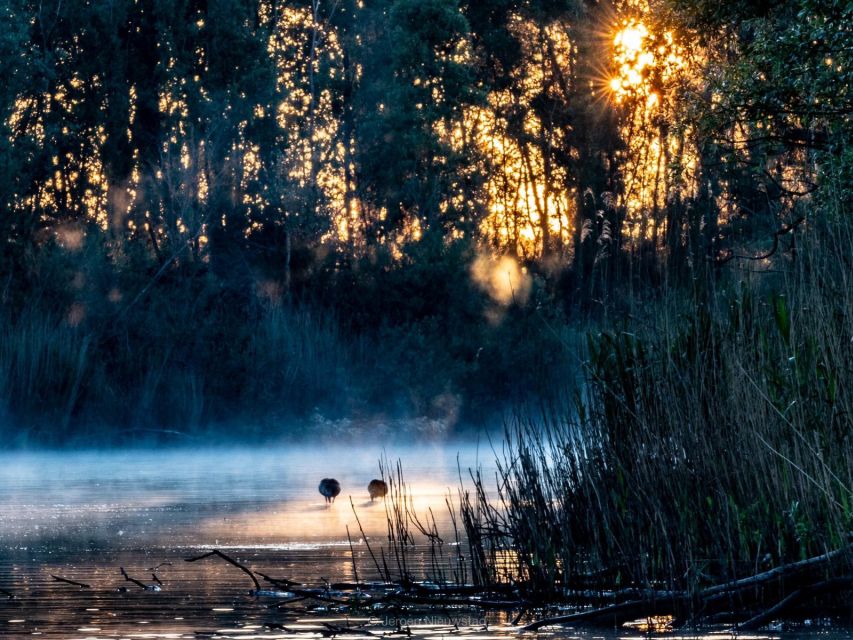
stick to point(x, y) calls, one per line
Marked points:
point(377, 489)
point(329, 488)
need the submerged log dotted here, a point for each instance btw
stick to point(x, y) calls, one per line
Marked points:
point(835, 585)
point(615, 614)
point(799, 586)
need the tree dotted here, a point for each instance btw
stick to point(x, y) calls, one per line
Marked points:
point(416, 84)
point(776, 109)
point(16, 232)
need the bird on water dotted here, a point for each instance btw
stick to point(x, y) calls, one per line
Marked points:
point(377, 489)
point(330, 488)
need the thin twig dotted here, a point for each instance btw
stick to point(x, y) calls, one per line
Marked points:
point(386, 578)
point(138, 583)
point(278, 582)
point(352, 555)
point(67, 581)
point(229, 560)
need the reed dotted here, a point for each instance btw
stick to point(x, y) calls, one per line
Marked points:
point(711, 441)
point(43, 363)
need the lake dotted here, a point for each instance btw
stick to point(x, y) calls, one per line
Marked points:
point(85, 516)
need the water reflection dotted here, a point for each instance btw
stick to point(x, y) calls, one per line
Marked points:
point(86, 516)
point(130, 499)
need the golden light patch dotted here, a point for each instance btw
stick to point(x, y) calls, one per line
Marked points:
point(652, 624)
point(70, 238)
point(502, 278)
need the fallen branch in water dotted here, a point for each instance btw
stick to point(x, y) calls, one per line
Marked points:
point(67, 581)
point(756, 599)
point(229, 560)
point(441, 601)
point(356, 586)
point(278, 582)
point(338, 630)
point(302, 593)
point(310, 594)
point(138, 583)
point(708, 601)
point(827, 586)
point(784, 570)
point(459, 590)
point(613, 614)
point(407, 592)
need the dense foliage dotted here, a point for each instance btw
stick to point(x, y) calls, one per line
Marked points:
point(244, 212)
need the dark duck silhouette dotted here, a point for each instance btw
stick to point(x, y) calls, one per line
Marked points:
point(330, 488)
point(377, 489)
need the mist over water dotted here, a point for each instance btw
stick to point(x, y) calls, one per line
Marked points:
point(129, 499)
point(83, 515)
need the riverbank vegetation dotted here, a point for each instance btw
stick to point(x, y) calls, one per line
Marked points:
point(703, 473)
point(236, 216)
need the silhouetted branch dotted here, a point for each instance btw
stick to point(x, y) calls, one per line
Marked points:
point(385, 576)
point(778, 572)
point(229, 560)
point(67, 581)
point(827, 586)
point(615, 614)
point(352, 554)
point(138, 583)
point(278, 582)
point(785, 229)
point(675, 602)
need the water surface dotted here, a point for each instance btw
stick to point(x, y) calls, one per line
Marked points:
point(84, 516)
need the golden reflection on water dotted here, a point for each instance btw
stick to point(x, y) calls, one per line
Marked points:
point(652, 624)
point(261, 507)
point(305, 517)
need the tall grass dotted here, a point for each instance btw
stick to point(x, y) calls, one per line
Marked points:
point(110, 378)
point(298, 359)
point(712, 438)
point(43, 365)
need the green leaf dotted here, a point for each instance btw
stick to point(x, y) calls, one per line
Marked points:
point(783, 318)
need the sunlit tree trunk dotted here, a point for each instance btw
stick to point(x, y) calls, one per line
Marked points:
point(314, 160)
point(348, 136)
